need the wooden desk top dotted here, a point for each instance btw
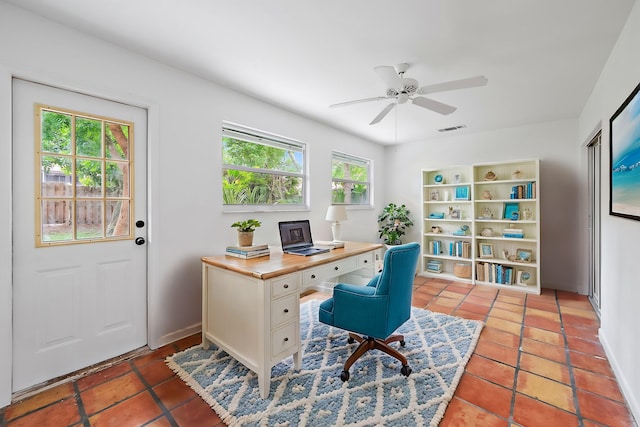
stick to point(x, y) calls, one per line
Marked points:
point(278, 263)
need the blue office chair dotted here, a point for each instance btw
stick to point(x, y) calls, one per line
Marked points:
point(377, 309)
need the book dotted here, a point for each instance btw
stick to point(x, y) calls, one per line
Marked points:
point(249, 255)
point(247, 248)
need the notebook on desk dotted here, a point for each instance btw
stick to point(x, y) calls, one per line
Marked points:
point(295, 237)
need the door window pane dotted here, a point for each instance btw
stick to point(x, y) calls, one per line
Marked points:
point(88, 137)
point(56, 220)
point(89, 219)
point(55, 132)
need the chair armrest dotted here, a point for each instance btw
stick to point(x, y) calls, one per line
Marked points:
point(374, 281)
point(354, 289)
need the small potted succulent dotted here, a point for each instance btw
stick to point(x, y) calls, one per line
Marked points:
point(245, 231)
point(394, 222)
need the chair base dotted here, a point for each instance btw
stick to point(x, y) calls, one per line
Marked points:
point(370, 343)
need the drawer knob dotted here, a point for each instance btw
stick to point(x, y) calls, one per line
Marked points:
point(336, 268)
point(313, 276)
point(366, 261)
point(286, 310)
point(286, 286)
point(286, 339)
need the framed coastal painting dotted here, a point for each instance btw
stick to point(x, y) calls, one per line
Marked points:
point(624, 182)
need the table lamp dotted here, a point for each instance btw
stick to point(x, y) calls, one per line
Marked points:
point(336, 213)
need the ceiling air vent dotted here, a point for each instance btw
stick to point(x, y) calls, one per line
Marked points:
point(452, 128)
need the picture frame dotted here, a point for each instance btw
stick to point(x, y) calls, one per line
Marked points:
point(522, 278)
point(524, 255)
point(511, 211)
point(624, 177)
point(486, 250)
point(434, 196)
point(462, 193)
point(457, 178)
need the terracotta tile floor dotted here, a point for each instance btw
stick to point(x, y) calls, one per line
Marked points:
point(538, 363)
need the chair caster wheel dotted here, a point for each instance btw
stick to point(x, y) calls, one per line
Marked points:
point(344, 376)
point(402, 343)
point(406, 370)
point(350, 340)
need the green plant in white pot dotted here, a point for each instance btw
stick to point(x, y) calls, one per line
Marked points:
point(394, 221)
point(245, 231)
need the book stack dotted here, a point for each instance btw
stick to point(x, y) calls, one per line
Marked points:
point(523, 191)
point(460, 249)
point(494, 273)
point(513, 233)
point(247, 252)
point(434, 266)
point(435, 247)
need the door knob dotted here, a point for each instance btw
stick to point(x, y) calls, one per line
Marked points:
point(139, 223)
point(140, 241)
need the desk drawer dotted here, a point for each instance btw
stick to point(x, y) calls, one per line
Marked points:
point(328, 271)
point(283, 339)
point(284, 309)
point(285, 284)
point(366, 260)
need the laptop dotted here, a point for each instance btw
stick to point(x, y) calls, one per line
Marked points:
point(296, 238)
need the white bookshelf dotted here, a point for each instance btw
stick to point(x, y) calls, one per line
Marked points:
point(496, 250)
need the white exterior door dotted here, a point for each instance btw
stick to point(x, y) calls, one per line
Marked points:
point(79, 224)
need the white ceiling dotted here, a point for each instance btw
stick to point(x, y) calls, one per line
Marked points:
point(542, 58)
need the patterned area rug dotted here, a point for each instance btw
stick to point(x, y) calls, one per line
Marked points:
point(437, 348)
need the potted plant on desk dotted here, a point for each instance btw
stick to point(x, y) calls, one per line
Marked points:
point(393, 223)
point(245, 231)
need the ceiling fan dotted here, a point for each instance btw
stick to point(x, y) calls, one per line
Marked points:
point(402, 89)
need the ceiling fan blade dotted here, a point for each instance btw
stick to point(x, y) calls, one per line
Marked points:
point(432, 105)
point(390, 77)
point(357, 101)
point(453, 85)
point(383, 113)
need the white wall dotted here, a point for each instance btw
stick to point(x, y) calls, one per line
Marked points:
point(553, 143)
point(620, 296)
point(185, 117)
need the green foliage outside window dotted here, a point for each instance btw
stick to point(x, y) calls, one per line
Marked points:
point(350, 180)
point(261, 174)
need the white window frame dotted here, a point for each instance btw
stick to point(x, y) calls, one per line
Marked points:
point(357, 160)
point(251, 135)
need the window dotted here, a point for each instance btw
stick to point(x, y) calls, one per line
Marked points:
point(350, 183)
point(84, 177)
point(260, 169)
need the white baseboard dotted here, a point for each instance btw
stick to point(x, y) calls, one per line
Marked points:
point(626, 390)
point(196, 328)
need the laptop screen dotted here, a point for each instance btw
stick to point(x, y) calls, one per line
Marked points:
point(295, 234)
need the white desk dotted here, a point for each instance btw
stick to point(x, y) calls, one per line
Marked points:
point(251, 308)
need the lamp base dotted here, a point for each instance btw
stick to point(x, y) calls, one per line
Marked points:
point(336, 230)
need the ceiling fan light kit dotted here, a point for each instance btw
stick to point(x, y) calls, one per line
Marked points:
point(401, 90)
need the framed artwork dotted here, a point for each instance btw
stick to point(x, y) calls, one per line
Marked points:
point(523, 255)
point(434, 195)
point(511, 211)
point(462, 193)
point(486, 250)
point(624, 140)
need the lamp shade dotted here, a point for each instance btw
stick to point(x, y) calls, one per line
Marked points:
point(336, 213)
